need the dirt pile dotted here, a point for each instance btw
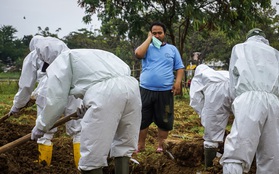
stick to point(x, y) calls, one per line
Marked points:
point(183, 150)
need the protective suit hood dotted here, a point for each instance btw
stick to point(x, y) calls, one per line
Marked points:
point(205, 74)
point(49, 48)
point(200, 69)
point(34, 41)
point(215, 86)
point(258, 38)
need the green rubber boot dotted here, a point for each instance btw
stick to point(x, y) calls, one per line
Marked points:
point(209, 155)
point(94, 171)
point(121, 165)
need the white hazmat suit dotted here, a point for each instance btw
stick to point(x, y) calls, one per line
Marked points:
point(210, 98)
point(43, 49)
point(254, 84)
point(48, 50)
point(31, 74)
point(110, 93)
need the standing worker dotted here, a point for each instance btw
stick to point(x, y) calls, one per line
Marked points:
point(157, 86)
point(112, 121)
point(254, 84)
point(43, 51)
point(210, 98)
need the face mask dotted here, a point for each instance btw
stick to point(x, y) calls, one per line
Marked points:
point(156, 42)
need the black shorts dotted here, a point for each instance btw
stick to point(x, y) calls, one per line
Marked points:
point(157, 107)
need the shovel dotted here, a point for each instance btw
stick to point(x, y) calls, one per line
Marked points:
point(27, 137)
point(31, 102)
point(4, 117)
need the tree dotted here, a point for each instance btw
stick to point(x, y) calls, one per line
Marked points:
point(46, 32)
point(26, 40)
point(131, 18)
point(10, 48)
point(7, 34)
point(87, 39)
point(80, 39)
point(271, 27)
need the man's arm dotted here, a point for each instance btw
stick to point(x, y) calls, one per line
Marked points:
point(141, 50)
point(177, 85)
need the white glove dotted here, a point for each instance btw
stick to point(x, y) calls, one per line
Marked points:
point(81, 111)
point(13, 110)
point(36, 133)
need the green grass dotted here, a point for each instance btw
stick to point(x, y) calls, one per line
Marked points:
point(8, 90)
point(14, 75)
point(8, 87)
point(6, 102)
point(9, 83)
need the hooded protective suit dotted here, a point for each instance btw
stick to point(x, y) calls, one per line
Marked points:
point(112, 96)
point(210, 98)
point(47, 50)
point(30, 74)
point(254, 83)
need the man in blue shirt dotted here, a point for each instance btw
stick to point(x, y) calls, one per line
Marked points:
point(157, 86)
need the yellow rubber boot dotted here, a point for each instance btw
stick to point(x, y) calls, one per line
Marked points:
point(45, 154)
point(76, 148)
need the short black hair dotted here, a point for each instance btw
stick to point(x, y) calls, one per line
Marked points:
point(158, 24)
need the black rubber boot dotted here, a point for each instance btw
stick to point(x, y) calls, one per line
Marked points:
point(94, 171)
point(209, 155)
point(121, 165)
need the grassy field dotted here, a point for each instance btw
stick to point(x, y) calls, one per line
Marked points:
point(8, 89)
point(14, 75)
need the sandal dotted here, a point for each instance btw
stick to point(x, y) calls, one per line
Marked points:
point(159, 150)
point(139, 150)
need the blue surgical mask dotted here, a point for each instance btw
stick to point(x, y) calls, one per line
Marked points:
point(156, 42)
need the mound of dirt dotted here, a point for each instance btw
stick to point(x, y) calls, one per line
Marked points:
point(24, 158)
point(183, 151)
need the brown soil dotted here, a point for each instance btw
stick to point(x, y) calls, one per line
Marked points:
point(183, 150)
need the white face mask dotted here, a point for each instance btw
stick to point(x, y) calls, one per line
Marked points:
point(156, 42)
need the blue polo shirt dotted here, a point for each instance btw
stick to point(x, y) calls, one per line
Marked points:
point(158, 66)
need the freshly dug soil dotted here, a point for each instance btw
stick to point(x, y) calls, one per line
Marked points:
point(183, 150)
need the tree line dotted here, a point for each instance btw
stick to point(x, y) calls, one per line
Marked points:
point(208, 27)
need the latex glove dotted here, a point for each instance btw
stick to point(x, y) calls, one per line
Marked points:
point(36, 133)
point(13, 111)
point(81, 111)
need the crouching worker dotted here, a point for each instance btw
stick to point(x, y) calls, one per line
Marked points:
point(254, 84)
point(111, 95)
point(43, 51)
point(210, 98)
point(48, 49)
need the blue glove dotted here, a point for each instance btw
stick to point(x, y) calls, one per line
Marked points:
point(81, 111)
point(36, 133)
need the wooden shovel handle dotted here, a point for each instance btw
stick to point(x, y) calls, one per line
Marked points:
point(27, 137)
point(30, 103)
point(5, 117)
